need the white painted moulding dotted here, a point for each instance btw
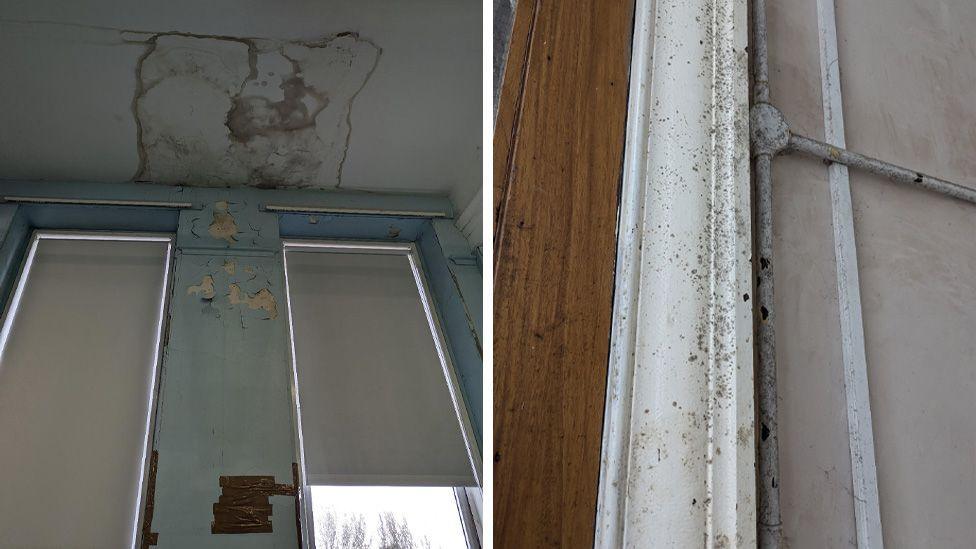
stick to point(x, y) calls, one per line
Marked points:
point(678, 451)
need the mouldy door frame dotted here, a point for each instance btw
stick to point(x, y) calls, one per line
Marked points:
point(247, 226)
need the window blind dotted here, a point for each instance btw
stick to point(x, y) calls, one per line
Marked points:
point(375, 404)
point(76, 376)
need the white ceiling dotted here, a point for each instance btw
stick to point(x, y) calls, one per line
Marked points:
point(86, 82)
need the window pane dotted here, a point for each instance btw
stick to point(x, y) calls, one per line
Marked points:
point(75, 382)
point(383, 517)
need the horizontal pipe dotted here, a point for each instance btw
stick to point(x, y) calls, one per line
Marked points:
point(89, 202)
point(895, 173)
point(354, 211)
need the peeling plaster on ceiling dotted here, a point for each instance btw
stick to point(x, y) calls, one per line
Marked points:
point(70, 69)
point(219, 111)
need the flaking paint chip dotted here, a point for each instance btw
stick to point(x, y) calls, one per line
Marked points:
point(205, 289)
point(263, 299)
point(223, 226)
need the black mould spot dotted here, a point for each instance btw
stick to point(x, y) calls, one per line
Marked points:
point(745, 297)
point(764, 311)
point(265, 184)
point(763, 263)
point(765, 433)
point(918, 178)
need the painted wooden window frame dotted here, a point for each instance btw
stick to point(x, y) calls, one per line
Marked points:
point(447, 262)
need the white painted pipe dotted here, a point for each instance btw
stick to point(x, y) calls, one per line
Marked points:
point(893, 172)
point(768, 513)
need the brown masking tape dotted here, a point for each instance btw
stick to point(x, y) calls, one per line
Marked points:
point(148, 536)
point(243, 506)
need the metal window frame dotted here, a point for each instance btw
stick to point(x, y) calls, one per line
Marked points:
point(12, 305)
point(470, 500)
point(469, 521)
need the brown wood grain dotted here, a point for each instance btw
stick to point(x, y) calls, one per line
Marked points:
point(558, 150)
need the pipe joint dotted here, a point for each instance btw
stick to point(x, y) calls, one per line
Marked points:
point(769, 130)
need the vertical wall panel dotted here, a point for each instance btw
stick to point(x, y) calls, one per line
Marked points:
point(225, 406)
point(558, 153)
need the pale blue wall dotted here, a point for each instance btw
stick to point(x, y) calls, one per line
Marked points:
point(225, 405)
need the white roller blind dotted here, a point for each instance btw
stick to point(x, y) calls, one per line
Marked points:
point(375, 404)
point(76, 373)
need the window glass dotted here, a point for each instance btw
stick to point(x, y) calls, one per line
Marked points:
point(384, 517)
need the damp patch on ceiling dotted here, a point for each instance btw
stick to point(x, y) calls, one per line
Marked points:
point(225, 111)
